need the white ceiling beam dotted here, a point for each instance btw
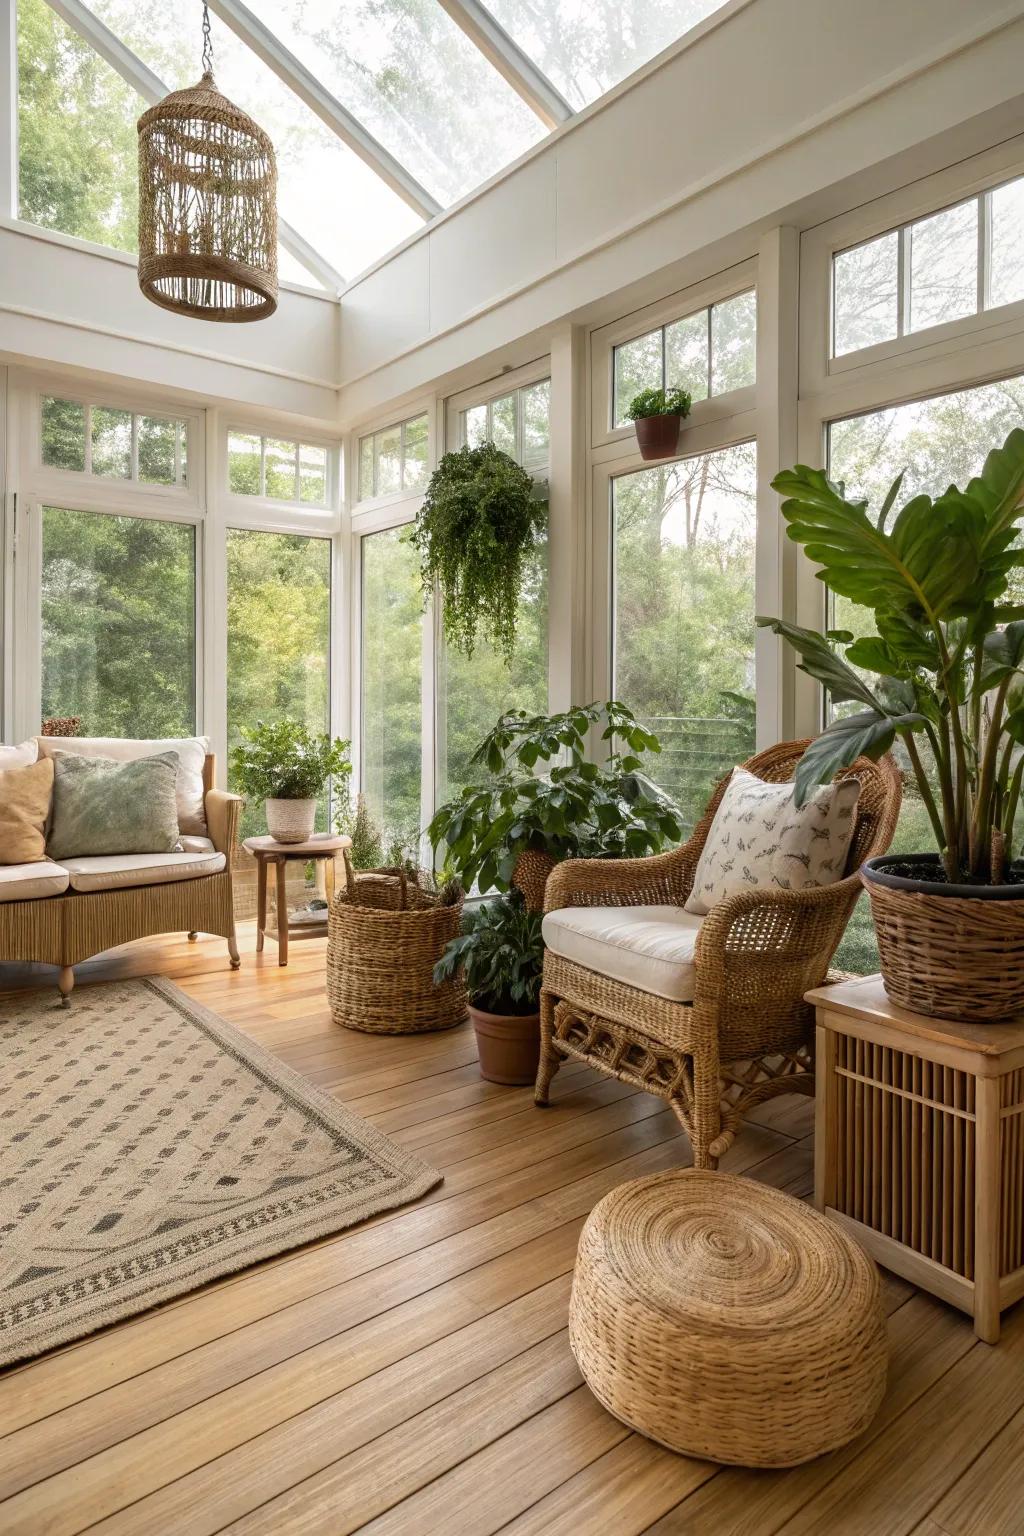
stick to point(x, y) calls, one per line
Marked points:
point(328, 109)
point(152, 89)
point(522, 74)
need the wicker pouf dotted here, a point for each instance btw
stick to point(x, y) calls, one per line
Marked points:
point(385, 933)
point(727, 1320)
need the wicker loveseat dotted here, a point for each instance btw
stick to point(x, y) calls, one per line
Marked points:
point(60, 913)
point(741, 1032)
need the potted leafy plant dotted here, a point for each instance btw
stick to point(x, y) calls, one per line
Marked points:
point(500, 953)
point(515, 824)
point(658, 415)
point(287, 766)
point(480, 520)
point(944, 673)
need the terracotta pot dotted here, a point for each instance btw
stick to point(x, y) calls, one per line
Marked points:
point(290, 821)
point(509, 1046)
point(657, 436)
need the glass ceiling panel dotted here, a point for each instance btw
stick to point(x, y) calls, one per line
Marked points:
point(413, 78)
point(325, 192)
point(587, 46)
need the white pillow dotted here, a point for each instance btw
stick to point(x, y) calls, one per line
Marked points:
point(191, 750)
point(22, 756)
point(760, 840)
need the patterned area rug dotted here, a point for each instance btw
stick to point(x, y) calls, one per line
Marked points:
point(149, 1147)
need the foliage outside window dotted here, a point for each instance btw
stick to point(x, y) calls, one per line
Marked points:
point(684, 614)
point(707, 353)
point(517, 423)
point(119, 623)
point(113, 443)
point(938, 441)
point(278, 664)
point(391, 657)
point(945, 266)
point(394, 459)
point(278, 469)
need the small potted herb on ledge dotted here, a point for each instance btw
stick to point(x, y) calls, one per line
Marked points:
point(287, 766)
point(944, 673)
point(658, 415)
point(501, 956)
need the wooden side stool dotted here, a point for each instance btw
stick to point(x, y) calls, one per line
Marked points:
point(267, 850)
point(919, 1145)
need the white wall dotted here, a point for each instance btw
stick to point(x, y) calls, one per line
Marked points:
point(63, 304)
point(765, 105)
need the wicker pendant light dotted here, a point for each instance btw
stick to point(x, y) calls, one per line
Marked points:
point(207, 205)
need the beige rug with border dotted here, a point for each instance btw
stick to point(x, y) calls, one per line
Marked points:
point(148, 1147)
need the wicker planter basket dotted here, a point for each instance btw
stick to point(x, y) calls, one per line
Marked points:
point(386, 932)
point(951, 952)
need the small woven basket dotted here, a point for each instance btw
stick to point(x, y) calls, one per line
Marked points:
point(386, 932)
point(950, 957)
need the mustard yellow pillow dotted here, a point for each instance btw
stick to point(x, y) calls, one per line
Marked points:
point(25, 795)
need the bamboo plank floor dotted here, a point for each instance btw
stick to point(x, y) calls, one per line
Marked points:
point(413, 1375)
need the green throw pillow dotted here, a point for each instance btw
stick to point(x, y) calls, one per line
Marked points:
point(102, 806)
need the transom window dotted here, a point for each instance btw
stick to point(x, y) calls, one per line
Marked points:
point(394, 459)
point(947, 266)
point(113, 443)
point(707, 353)
point(517, 423)
point(278, 469)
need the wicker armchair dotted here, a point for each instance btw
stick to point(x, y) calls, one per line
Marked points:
point(747, 1034)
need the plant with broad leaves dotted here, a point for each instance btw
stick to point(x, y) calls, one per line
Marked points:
point(501, 954)
point(286, 761)
point(948, 655)
point(576, 808)
point(659, 402)
point(480, 520)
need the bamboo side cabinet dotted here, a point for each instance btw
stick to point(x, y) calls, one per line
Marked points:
point(919, 1145)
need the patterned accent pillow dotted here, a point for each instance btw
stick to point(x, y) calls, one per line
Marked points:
point(102, 806)
point(760, 840)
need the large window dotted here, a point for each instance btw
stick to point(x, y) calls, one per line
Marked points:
point(279, 618)
point(707, 353)
point(392, 638)
point(946, 266)
point(119, 623)
point(684, 614)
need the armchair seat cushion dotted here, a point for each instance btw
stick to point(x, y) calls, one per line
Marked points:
point(109, 872)
point(32, 882)
point(651, 948)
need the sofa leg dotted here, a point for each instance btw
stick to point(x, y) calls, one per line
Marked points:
point(233, 950)
point(193, 937)
point(65, 982)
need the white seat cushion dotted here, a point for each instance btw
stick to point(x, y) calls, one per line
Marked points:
point(111, 871)
point(30, 882)
point(192, 752)
point(646, 947)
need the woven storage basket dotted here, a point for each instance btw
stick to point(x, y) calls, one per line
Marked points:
point(950, 957)
point(727, 1320)
point(386, 932)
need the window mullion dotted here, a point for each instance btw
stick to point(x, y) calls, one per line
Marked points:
point(984, 250)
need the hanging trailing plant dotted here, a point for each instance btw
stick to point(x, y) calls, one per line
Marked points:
point(478, 526)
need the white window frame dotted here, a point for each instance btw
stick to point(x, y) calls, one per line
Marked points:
point(728, 284)
point(404, 492)
point(267, 511)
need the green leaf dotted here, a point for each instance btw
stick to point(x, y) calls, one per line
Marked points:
point(868, 734)
point(875, 655)
point(819, 660)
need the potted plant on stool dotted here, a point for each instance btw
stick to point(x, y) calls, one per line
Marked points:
point(501, 955)
point(287, 766)
point(658, 415)
point(948, 680)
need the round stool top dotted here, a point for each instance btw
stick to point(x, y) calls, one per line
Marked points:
point(319, 845)
point(715, 1251)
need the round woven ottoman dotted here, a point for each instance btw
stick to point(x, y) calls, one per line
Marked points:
point(725, 1319)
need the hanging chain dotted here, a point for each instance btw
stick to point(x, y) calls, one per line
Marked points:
point(207, 46)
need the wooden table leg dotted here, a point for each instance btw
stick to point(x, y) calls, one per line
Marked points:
point(329, 879)
point(261, 901)
point(986, 1209)
point(282, 913)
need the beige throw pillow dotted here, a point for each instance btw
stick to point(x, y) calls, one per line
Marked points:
point(759, 840)
point(24, 807)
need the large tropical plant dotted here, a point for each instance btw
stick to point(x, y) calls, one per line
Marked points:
point(944, 671)
point(574, 808)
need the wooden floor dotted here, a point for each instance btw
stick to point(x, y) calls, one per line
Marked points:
point(413, 1376)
